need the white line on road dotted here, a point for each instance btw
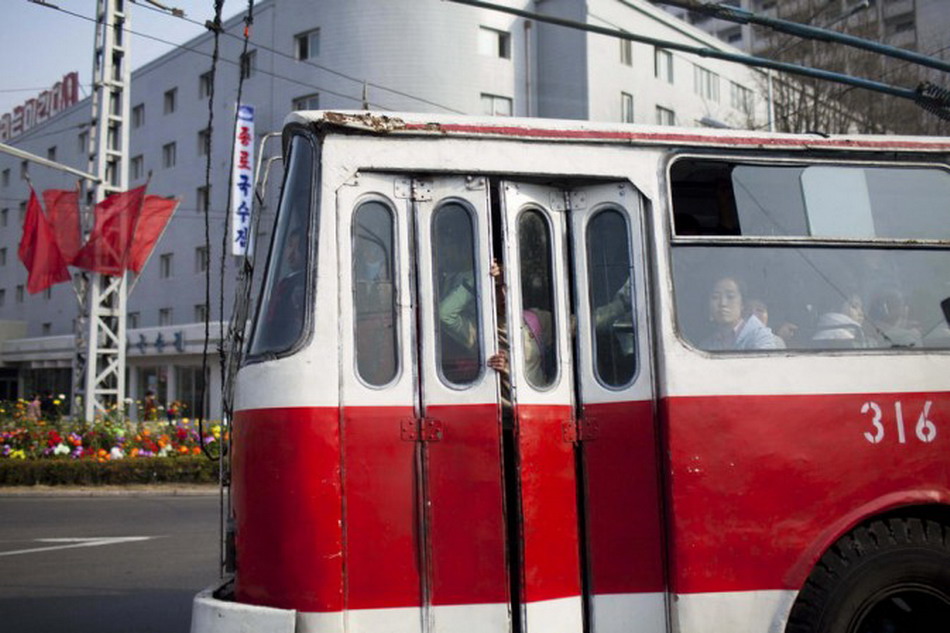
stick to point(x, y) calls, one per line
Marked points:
point(69, 543)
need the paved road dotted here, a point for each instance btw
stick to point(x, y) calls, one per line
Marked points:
point(104, 586)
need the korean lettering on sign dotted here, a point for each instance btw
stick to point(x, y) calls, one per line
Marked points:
point(243, 179)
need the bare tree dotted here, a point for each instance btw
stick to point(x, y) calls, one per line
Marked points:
point(815, 105)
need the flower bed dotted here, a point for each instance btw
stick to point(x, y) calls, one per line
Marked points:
point(107, 451)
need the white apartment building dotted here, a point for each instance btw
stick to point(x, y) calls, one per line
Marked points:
point(413, 55)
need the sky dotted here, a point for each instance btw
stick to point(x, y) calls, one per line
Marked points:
point(42, 44)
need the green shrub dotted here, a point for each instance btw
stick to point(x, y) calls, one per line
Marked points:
point(190, 469)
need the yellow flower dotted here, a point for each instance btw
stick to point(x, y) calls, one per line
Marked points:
point(17, 454)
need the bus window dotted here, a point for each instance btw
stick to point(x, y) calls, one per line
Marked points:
point(537, 300)
point(810, 298)
point(459, 335)
point(284, 303)
point(610, 277)
point(868, 291)
point(374, 297)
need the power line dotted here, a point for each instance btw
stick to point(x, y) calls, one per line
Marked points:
point(312, 64)
point(233, 63)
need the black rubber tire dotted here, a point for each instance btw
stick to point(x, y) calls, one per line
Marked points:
point(888, 576)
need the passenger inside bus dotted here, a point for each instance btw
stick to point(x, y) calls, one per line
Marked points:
point(285, 310)
point(731, 329)
point(842, 326)
point(888, 315)
point(456, 294)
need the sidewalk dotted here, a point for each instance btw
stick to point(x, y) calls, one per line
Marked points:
point(134, 490)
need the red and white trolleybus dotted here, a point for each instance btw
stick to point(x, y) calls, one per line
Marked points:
point(525, 375)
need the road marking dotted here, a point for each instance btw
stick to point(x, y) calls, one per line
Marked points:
point(69, 543)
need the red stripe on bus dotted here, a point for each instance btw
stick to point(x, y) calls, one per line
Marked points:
point(286, 482)
point(679, 138)
point(380, 517)
point(549, 503)
point(760, 486)
point(466, 514)
point(623, 499)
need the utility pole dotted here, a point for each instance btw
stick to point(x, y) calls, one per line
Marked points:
point(99, 367)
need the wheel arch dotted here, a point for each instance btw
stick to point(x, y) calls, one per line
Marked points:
point(931, 504)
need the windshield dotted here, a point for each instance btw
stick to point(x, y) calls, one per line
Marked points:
point(284, 301)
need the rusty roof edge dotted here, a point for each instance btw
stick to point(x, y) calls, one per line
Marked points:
point(587, 131)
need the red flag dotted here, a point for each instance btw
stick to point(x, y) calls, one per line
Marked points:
point(38, 250)
point(156, 212)
point(107, 250)
point(62, 210)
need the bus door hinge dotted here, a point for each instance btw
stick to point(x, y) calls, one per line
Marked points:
point(420, 430)
point(581, 430)
point(577, 199)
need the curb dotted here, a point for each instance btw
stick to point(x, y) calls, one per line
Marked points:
point(152, 490)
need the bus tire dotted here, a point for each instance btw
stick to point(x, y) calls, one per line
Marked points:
point(889, 576)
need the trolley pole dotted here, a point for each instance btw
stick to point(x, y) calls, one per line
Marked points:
point(99, 367)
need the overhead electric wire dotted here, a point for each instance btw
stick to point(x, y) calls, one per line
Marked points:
point(173, 45)
point(738, 15)
point(307, 62)
point(929, 97)
point(748, 60)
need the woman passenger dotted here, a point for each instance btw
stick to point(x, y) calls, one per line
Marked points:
point(731, 330)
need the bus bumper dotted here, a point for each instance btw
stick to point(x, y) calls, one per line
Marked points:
point(214, 612)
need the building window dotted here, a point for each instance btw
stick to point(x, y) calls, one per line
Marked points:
point(24, 169)
point(22, 212)
point(138, 167)
point(205, 85)
point(46, 329)
point(19, 294)
point(6, 178)
point(308, 102)
point(165, 265)
point(201, 312)
point(663, 65)
point(201, 259)
point(3, 257)
point(4, 216)
point(705, 83)
point(626, 107)
point(82, 143)
point(741, 98)
point(308, 44)
point(171, 99)
point(202, 199)
point(665, 116)
point(138, 116)
point(204, 142)
point(248, 64)
point(3, 297)
point(494, 43)
point(132, 320)
point(51, 153)
point(626, 52)
point(493, 105)
point(165, 316)
point(168, 155)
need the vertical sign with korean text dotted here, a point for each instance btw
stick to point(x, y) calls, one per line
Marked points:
point(243, 179)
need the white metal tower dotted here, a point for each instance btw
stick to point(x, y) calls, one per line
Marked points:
point(99, 372)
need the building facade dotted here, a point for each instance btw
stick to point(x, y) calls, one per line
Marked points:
point(422, 55)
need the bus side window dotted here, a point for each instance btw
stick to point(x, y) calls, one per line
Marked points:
point(453, 251)
point(610, 283)
point(537, 300)
point(374, 298)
